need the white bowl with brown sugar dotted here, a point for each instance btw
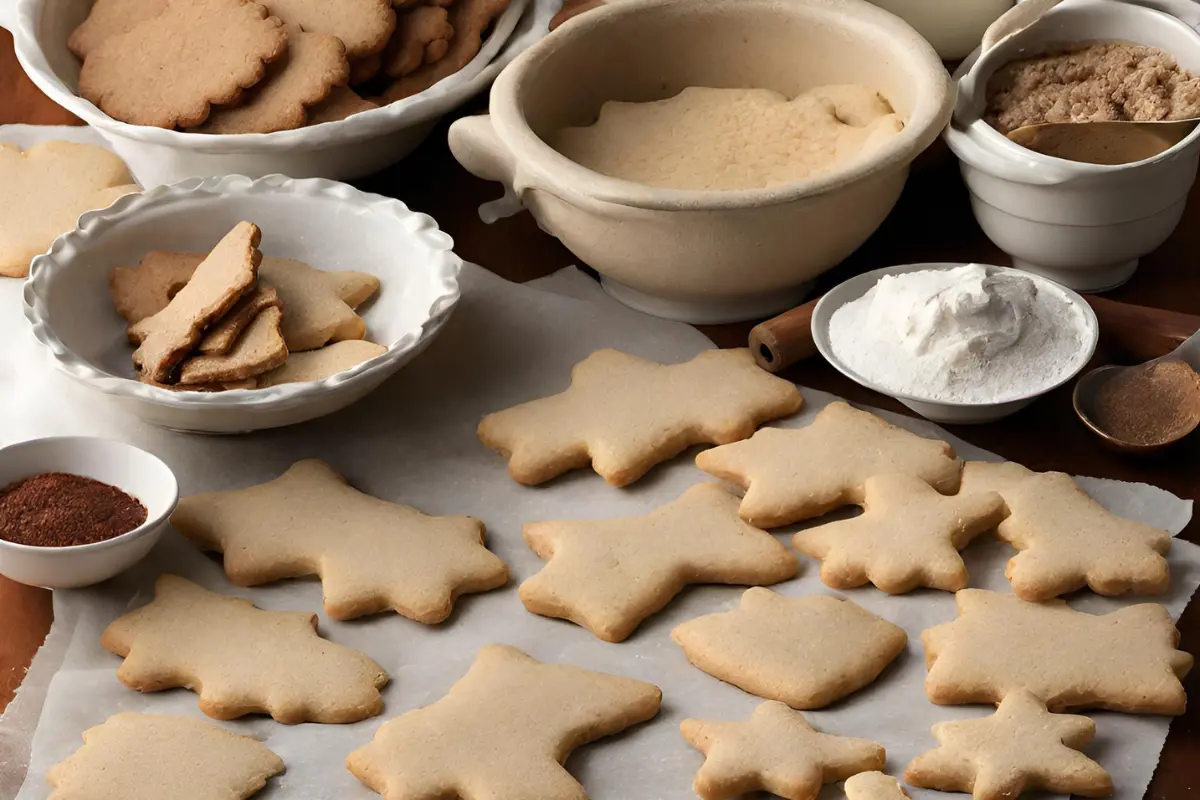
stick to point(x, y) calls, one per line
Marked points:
point(1084, 225)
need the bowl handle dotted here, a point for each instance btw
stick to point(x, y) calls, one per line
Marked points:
point(475, 145)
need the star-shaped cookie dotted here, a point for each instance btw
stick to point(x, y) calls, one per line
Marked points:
point(503, 731)
point(152, 756)
point(799, 473)
point(803, 651)
point(874, 786)
point(1125, 660)
point(610, 575)
point(1068, 540)
point(370, 554)
point(624, 414)
point(1021, 747)
point(776, 750)
point(241, 659)
point(908, 535)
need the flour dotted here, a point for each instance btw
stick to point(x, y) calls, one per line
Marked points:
point(963, 335)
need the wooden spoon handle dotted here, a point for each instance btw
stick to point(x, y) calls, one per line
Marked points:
point(1141, 332)
point(785, 340)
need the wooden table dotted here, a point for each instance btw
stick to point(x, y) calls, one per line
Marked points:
point(932, 223)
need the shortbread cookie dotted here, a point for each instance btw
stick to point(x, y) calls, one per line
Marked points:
point(370, 554)
point(365, 68)
point(143, 291)
point(796, 474)
point(342, 103)
point(469, 19)
point(363, 25)
point(152, 756)
point(776, 750)
point(908, 535)
point(422, 37)
point(45, 189)
point(316, 365)
point(227, 273)
point(220, 337)
point(1020, 748)
point(314, 64)
point(249, 383)
point(1068, 540)
point(256, 351)
point(874, 786)
point(108, 18)
point(610, 575)
point(168, 71)
point(503, 731)
point(803, 651)
point(1125, 660)
point(624, 414)
point(240, 659)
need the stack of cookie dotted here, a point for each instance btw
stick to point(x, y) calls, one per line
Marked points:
point(238, 66)
point(231, 319)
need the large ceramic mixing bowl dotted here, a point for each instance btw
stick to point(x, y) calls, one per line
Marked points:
point(706, 256)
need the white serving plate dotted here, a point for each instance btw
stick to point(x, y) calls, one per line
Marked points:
point(325, 224)
point(953, 413)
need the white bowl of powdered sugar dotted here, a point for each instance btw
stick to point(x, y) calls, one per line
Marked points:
point(958, 343)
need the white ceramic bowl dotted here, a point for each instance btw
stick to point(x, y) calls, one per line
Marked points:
point(954, 413)
point(706, 256)
point(325, 224)
point(954, 28)
point(134, 471)
point(350, 148)
point(1083, 225)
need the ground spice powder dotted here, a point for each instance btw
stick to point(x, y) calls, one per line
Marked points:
point(57, 509)
point(1150, 404)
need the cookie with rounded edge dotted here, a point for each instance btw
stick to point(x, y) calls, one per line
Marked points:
point(256, 351)
point(874, 786)
point(169, 71)
point(470, 19)
point(152, 756)
point(108, 18)
point(422, 36)
point(146, 289)
point(341, 103)
point(363, 25)
point(1021, 747)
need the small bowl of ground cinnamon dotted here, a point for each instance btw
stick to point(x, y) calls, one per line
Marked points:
point(1140, 409)
point(78, 510)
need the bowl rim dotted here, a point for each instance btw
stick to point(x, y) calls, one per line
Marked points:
point(931, 113)
point(839, 296)
point(412, 111)
point(444, 268)
point(149, 527)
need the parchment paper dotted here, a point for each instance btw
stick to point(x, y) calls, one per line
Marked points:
point(413, 441)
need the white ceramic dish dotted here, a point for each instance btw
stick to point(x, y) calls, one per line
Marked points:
point(952, 413)
point(325, 224)
point(134, 471)
point(954, 28)
point(701, 256)
point(350, 148)
point(1083, 225)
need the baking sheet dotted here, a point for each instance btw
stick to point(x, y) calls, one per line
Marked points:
point(413, 441)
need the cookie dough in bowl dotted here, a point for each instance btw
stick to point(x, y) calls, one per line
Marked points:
point(818, 107)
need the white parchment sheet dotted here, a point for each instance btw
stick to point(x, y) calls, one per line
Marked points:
point(413, 441)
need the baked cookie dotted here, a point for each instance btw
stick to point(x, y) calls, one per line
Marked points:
point(143, 291)
point(108, 18)
point(503, 731)
point(342, 103)
point(874, 786)
point(777, 750)
point(45, 189)
point(363, 25)
point(803, 651)
point(422, 36)
point(908, 535)
point(219, 338)
point(240, 659)
point(365, 68)
point(610, 575)
point(256, 351)
point(370, 554)
point(624, 414)
point(168, 70)
point(1020, 748)
point(796, 474)
point(469, 19)
point(1068, 540)
point(1125, 660)
point(316, 365)
point(152, 756)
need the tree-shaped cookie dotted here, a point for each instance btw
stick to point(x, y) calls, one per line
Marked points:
point(624, 414)
point(503, 731)
point(241, 659)
point(1068, 540)
point(609, 575)
point(153, 756)
point(776, 750)
point(370, 554)
point(1125, 660)
point(908, 535)
point(803, 651)
point(874, 786)
point(799, 473)
point(1021, 747)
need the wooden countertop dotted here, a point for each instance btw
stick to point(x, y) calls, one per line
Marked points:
point(932, 223)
